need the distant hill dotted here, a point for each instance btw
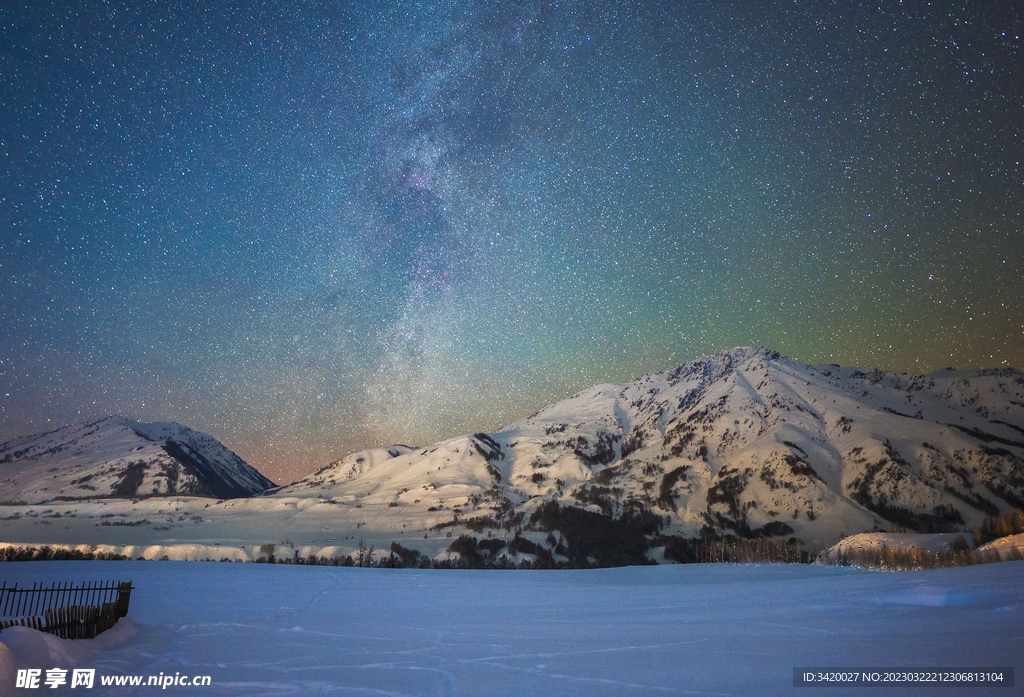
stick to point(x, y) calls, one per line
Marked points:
point(119, 457)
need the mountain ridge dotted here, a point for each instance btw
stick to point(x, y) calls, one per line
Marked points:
point(743, 442)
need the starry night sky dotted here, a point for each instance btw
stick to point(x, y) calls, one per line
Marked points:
point(309, 228)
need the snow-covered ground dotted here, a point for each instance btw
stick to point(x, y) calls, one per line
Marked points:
point(672, 630)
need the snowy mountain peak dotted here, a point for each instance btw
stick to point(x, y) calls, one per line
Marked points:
point(121, 457)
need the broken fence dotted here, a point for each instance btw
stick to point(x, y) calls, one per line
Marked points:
point(65, 610)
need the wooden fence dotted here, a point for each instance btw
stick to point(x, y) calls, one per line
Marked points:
point(65, 610)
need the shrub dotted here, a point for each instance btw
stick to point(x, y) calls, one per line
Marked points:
point(465, 547)
point(410, 558)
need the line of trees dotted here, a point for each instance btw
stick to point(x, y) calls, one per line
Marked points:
point(590, 540)
point(737, 550)
point(47, 553)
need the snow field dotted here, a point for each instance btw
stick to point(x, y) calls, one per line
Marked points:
point(673, 630)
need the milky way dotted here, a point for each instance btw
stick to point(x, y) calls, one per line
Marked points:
point(312, 228)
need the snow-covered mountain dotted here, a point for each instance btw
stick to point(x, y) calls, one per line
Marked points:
point(743, 442)
point(120, 457)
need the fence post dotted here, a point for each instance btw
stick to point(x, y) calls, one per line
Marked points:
point(124, 594)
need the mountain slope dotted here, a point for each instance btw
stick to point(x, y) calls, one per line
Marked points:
point(119, 457)
point(744, 442)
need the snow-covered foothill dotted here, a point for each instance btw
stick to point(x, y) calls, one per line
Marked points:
point(1004, 544)
point(937, 542)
